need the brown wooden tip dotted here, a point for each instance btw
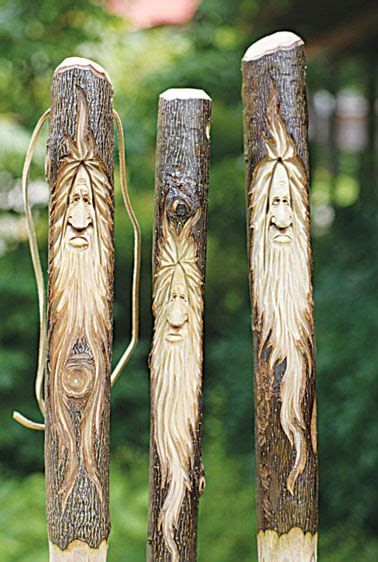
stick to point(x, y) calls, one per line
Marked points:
point(279, 41)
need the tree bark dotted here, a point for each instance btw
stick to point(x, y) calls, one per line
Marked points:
point(79, 171)
point(179, 249)
point(277, 175)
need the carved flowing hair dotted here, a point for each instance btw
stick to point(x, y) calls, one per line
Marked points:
point(176, 374)
point(80, 290)
point(281, 280)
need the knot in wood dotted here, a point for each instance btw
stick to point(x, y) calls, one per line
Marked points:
point(180, 209)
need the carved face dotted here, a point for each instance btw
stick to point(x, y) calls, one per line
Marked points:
point(281, 276)
point(176, 362)
point(80, 219)
point(80, 275)
point(177, 309)
point(280, 213)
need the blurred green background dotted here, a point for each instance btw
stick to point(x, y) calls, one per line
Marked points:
point(205, 52)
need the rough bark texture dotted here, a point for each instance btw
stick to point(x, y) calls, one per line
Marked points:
point(82, 511)
point(181, 192)
point(277, 509)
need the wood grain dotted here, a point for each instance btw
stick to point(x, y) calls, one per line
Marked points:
point(79, 171)
point(276, 79)
point(181, 189)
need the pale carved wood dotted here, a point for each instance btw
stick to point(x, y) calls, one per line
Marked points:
point(278, 203)
point(78, 551)
point(176, 473)
point(80, 291)
point(295, 546)
point(276, 154)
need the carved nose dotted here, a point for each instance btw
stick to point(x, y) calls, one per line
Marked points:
point(176, 315)
point(79, 218)
point(282, 218)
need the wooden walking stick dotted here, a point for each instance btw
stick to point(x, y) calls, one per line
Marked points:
point(181, 186)
point(75, 349)
point(277, 175)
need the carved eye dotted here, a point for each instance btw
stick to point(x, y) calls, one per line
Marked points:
point(76, 198)
point(285, 201)
point(183, 298)
point(276, 201)
point(86, 199)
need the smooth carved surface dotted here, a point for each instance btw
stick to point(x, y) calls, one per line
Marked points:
point(79, 62)
point(176, 364)
point(78, 551)
point(295, 546)
point(281, 276)
point(184, 94)
point(279, 41)
point(80, 329)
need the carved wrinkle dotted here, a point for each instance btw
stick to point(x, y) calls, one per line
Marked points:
point(176, 362)
point(281, 276)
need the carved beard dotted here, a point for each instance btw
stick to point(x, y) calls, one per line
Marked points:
point(283, 289)
point(79, 329)
point(176, 372)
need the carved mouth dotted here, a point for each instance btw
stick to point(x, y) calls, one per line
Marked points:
point(282, 238)
point(174, 337)
point(281, 235)
point(79, 242)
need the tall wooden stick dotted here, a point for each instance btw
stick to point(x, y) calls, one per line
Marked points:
point(80, 163)
point(75, 350)
point(276, 155)
point(181, 186)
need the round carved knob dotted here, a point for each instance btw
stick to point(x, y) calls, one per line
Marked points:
point(78, 377)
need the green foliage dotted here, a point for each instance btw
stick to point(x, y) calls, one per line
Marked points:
point(23, 534)
point(34, 38)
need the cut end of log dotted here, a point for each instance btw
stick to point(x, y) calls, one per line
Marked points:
point(185, 94)
point(294, 546)
point(279, 41)
point(86, 64)
point(78, 551)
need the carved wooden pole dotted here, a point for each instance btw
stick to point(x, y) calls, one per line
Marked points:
point(181, 187)
point(75, 348)
point(79, 172)
point(277, 175)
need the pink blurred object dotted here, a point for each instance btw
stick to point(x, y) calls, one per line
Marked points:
point(148, 13)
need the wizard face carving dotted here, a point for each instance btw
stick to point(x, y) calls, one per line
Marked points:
point(280, 257)
point(81, 217)
point(280, 213)
point(177, 309)
point(80, 275)
point(176, 366)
